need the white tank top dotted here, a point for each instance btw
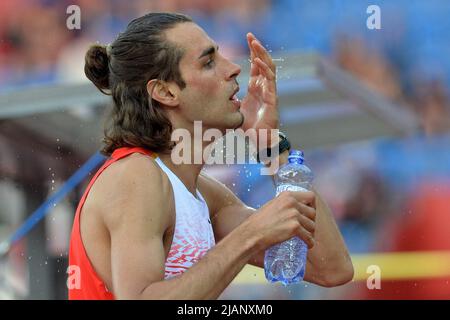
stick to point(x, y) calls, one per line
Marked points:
point(193, 235)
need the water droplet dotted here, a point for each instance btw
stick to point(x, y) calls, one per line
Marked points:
point(57, 139)
point(53, 181)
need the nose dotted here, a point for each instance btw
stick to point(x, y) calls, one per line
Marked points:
point(235, 70)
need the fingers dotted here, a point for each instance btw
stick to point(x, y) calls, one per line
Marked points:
point(306, 197)
point(257, 50)
point(261, 52)
point(250, 38)
point(265, 69)
point(253, 68)
point(307, 211)
point(306, 217)
point(308, 224)
point(306, 237)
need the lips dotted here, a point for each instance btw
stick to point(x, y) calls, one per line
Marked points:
point(233, 95)
point(236, 103)
point(234, 99)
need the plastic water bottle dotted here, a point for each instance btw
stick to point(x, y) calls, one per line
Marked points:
point(286, 261)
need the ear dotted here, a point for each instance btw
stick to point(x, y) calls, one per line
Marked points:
point(163, 92)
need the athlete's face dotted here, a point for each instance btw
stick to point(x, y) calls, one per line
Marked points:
point(210, 80)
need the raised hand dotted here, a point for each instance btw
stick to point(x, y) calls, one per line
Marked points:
point(260, 105)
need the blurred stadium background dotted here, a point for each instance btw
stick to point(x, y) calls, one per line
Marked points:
point(369, 107)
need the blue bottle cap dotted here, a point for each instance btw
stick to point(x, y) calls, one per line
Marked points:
point(296, 156)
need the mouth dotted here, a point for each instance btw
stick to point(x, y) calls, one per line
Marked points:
point(234, 99)
point(233, 95)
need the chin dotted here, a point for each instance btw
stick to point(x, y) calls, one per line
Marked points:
point(241, 120)
point(234, 121)
point(230, 121)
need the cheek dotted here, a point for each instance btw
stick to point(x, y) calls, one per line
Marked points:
point(204, 86)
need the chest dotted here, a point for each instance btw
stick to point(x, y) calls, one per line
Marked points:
point(190, 224)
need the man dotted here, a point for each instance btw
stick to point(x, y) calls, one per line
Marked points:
point(149, 229)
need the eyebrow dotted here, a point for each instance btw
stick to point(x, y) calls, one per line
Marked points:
point(210, 50)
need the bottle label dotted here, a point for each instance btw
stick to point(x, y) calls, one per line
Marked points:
point(289, 187)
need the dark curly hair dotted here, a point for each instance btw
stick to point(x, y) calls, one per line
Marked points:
point(122, 70)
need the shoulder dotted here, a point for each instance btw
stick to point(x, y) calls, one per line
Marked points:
point(136, 172)
point(134, 188)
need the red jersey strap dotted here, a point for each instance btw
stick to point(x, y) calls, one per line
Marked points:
point(83, 282)
point(126, 151)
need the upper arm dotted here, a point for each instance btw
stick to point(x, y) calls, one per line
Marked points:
point(228, 211)
point(137, 219)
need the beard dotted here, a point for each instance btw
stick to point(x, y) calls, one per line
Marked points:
point(230, 121)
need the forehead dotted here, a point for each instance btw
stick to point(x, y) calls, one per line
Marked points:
point(192, 38)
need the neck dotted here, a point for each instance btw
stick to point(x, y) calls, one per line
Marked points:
point(187, 173)
point(189, 169)
point(186, 160)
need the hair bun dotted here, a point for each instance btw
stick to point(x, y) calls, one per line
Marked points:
point(96, 67)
